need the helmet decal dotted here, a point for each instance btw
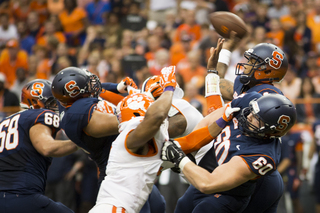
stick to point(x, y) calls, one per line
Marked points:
point(277, 59)
point(72, 88)
point(283, 122)
point(37, 89)
point(136, 102)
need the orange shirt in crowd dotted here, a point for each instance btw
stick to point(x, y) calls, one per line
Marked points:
point(177, 52)
point(41, 9)
point(288, 22)
point(277, 37)
point(187, 74)
point(10, 69)
point(44, 69)
point(314, 24)
point(55, 6)
point(194, 31)
point(43, 40)
point(72, 22)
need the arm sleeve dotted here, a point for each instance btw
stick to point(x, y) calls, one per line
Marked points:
point(195, 140)
point(260, 164)
point(111, 97)
point(112, 87)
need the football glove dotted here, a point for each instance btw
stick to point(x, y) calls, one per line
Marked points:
point(172, 152)
point(122, 86)
point(168, 77)
point(228, 112)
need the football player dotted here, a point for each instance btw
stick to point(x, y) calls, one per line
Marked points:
point(26, 147)
point(90, 122)
point(134, 160)
point(266, 64)
point(245, 150)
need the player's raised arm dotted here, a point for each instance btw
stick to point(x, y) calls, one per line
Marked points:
point(155, 114)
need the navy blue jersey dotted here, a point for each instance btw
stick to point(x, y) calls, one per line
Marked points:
point(261, 156)
point(289, 144)
point(239, 88)
point(77, 117)
point(22, 169)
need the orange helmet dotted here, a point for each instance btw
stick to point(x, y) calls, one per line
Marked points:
point(152, 86)
point(133, 106)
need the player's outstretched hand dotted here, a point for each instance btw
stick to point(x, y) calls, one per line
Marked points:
point(214, 55)
point(168, 77)
point(172, 152)
point(122, 86)
point(232, 43)
point(228, 112)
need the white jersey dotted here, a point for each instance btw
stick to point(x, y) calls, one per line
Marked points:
point(129, 176)
point(192, 115)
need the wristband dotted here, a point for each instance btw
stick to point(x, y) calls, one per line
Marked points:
point(183, 162)
point(169, 88)
point(224, 57)
point(221, 123)
point(213, 71)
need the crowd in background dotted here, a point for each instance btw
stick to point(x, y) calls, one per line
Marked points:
point(137, 38)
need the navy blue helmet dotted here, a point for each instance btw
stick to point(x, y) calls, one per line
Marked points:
point(73, 83)
point(37, 95)
point(276, 115)
point(270, 64)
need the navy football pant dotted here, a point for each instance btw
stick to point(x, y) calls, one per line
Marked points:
point(155, 203)
point(193, 201)
point(267, 194)
point(35, 203)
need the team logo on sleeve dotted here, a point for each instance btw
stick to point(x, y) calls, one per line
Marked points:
point(72, 88)
point(37, 89)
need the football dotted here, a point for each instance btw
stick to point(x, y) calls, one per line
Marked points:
point(225, 22)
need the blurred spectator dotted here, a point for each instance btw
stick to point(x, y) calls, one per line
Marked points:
point(97, 11)
point(191, 94)
point(178, 50)
point(62, 51)
point(26, 41)
point(165, 41)
point(259, 36)
point(306, 109)
point(314, 24)
point(21, 10)
point(97, 66)
point(12, 58)
point(74, 23)
point(162, 59)
point(261, 19)
point(131, 63)
point(289, 21)
point(206, 43)
point(40, 6)
point(278, 9)
point(133, 21)
point(153, 46)
point(191, 70)
point(159, 9)
point(276, 33)
point(291, 84)
point(49, 30)
point(33, 64)
point(7, 98)
point(20, 82)
point(7, 30)
point(44, 63)
point(302, 33)
point(112, 30)
point(34, 26)
point(189, 27)
point(55, 6)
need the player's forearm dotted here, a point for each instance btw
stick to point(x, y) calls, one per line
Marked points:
point(226, 89)
point(58, 148)
point(222, 69)
point(159, 110)
point(283, 165)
